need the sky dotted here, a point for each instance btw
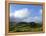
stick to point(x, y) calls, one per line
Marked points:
point(25, 13)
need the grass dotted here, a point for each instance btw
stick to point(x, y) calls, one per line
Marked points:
point(25, 27)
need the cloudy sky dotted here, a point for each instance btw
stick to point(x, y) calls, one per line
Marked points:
point(25, 13)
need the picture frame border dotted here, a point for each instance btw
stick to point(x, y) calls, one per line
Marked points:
point(7, 9)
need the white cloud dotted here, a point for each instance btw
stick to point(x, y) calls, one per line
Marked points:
point(32, 19)
point(22, 13)
point(41, 11)
point(11, 14)
point(27, 19)
point(37, 19)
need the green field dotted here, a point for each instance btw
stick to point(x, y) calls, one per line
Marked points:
point(25, 27)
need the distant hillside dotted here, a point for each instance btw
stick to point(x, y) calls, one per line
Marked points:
point(17, 27)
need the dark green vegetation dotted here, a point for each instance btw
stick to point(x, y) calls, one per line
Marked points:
point(25, 27)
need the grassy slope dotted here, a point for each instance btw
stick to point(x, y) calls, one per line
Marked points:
point(25, 27)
